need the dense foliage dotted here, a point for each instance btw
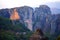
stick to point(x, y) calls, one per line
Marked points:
point(8, 31)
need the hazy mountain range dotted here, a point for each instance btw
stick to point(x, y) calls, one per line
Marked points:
point(55, 11)
point(55, 7)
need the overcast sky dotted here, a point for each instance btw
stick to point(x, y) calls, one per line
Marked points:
point(18, 3)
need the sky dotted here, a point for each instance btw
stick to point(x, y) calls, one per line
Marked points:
point(19, 3)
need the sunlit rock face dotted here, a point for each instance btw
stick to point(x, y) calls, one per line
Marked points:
point(14, 15)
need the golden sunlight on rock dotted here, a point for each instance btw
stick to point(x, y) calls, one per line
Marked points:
point(14, 15)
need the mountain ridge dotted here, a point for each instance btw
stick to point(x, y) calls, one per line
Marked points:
point(40, 18)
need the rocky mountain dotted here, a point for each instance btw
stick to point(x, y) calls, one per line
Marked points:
point(41, 17)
